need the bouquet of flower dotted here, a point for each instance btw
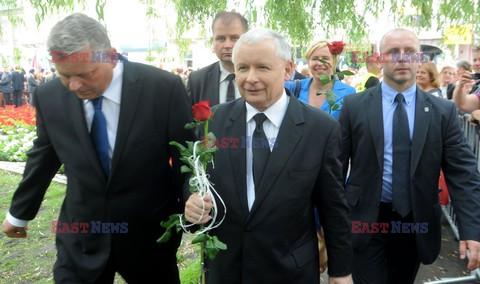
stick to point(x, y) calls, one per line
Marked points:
point(336, 48)
point(196, 157)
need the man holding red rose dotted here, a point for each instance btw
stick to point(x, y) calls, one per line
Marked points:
point(270, 192)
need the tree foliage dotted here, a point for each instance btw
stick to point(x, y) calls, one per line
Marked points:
point(297, 19)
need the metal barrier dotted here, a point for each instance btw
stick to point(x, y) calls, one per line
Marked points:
point(473, 139)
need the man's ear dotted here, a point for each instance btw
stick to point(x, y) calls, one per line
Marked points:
point(113, 55)
point(289, 69)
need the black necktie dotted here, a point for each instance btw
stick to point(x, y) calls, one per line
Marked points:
point(99, 135)
point(260, 149)
point(230, 88)
point(401, 159)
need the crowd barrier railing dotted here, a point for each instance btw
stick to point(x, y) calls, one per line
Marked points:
point(472, 136)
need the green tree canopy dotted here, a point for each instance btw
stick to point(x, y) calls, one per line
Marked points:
point(297, 19)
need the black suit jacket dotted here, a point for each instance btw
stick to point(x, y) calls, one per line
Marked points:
point(298, 76)
point(276, 241)
point(438, 142)
point(204, 84)
point(142, 189)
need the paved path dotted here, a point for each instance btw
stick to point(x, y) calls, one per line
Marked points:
point(17, 167)
point(448, 264)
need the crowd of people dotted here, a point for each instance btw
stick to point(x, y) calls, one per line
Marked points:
point(16, 86)
point(371, 158)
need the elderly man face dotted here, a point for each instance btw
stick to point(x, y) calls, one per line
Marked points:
point(260, 73)
point(89, 79)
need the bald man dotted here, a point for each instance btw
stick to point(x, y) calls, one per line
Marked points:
point(396, 138)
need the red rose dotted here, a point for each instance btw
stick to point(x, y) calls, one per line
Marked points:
point(201, 111)
point(336, 47)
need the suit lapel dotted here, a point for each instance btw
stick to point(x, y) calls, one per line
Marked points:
point(77, 116)
point(288, 137)
point(375, 120)
point(131, 91)
point(236, 127)
point(213, 90)
point(423, 109)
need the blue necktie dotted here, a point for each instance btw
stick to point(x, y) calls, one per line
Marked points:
point(401, 159)
point(99, 135)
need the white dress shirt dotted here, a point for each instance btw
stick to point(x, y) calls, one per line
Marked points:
point(222, 91)
point(111, 110)
point(271, 126)
point(110, 107)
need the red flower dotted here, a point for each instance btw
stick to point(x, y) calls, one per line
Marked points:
point(336, 47)
point(201, 111)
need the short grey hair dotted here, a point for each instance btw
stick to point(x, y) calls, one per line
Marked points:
point(258, 35)
point(77, 32)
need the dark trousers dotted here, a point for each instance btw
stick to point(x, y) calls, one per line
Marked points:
point(388, 257)
point(150, 268)
point(17, 98)
point(6, 97)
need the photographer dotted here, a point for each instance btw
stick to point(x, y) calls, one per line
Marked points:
point(464, 101)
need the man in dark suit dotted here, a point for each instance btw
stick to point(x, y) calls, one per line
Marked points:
point(118, 174)
point(32, 83)
point(18, 80)
point(216, 82)
point(396, 138)
point(6, 85)
point(270, 189)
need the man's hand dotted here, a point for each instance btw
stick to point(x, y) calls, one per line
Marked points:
point(475, 117)
point(474, 249)
point(12, 231)
point(198, 211)
point(341, 280)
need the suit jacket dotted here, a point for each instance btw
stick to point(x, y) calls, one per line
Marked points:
point(32, 83)
point(17, 79)
point(276, 241)
point(142, 189)
point(298, 75)
point(6, 84)
point(204, 84)
point(438, 142)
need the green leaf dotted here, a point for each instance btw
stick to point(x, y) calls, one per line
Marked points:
point(325, 62)
point(324, 79)
point(218, 244)
point(200, 238)
point(331, 98)
point(192, 189)
point(179, 146)
point(172, 220)
point(347, 72)
point(193, 125)
point(322, 92)
point(340, 76)
point(165, 237)
point(185, 169)
point(210, 250)
point(335, 107)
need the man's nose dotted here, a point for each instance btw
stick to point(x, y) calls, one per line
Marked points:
point(74, 84)
point(229, 43)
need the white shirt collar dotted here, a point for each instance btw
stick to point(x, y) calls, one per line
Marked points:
point(114, 90)
point(223, 72)
point(275, 113)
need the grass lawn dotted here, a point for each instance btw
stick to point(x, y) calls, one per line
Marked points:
point(31, 260)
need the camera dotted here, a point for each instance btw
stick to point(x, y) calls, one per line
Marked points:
point(476, 76)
